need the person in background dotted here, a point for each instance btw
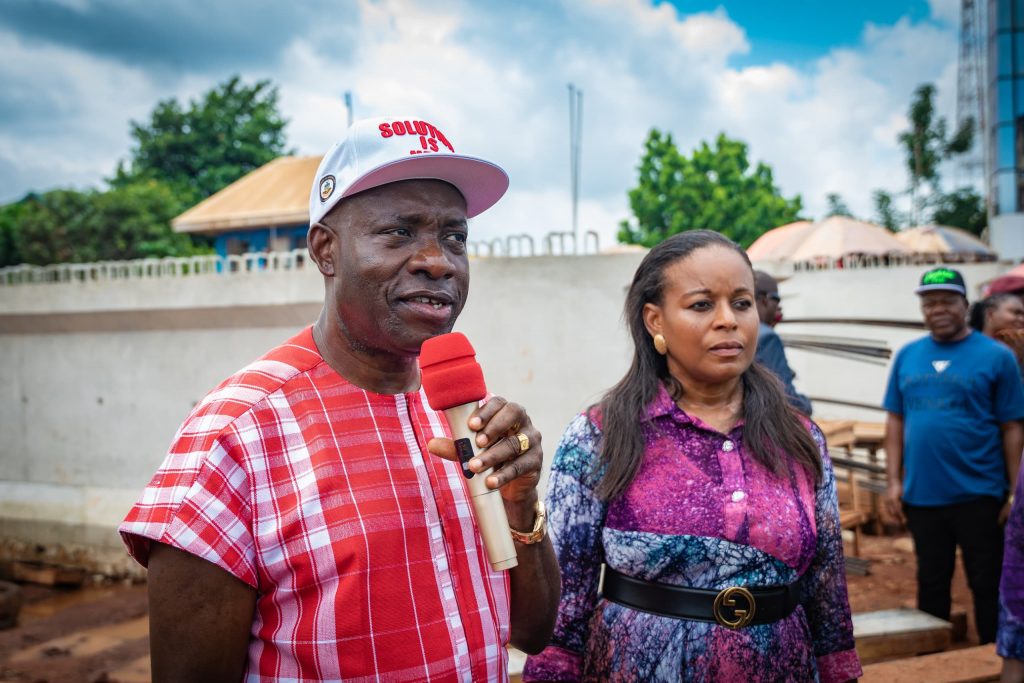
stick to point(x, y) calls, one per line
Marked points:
point(302, 526)
point(770, 351)
point(953, 443)
point(708, 502)
point(1010, 639)
point(1001, 316)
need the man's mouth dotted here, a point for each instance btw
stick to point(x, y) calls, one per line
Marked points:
point(436, 303)
point(434, 307)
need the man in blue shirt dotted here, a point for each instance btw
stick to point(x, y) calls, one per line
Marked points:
point(953, 445)
point(770, 352)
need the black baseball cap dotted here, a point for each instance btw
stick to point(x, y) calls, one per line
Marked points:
point(942, 280)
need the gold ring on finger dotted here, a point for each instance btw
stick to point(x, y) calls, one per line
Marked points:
point(524, 442)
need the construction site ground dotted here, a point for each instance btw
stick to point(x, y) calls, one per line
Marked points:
point(99, 633)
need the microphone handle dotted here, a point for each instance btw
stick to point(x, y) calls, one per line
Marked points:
point(487, 503)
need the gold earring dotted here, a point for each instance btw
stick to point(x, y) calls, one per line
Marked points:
point(660, 345)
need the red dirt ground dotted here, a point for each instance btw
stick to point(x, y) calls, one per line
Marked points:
point(99, 634)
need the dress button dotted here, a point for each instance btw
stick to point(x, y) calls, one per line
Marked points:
point(737, 496)
point(727, 446)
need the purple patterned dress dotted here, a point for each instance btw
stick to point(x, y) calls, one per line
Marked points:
point(1010, 639)
point(700, 513)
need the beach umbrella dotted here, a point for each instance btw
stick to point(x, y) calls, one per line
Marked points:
point(1010, 281)
point(838, 237)
point(778, 243)
point(945, 240)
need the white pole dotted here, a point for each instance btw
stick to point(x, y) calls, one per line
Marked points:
point(348, 107)
point(575, 147)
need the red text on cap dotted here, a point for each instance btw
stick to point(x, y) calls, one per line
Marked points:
point(428, 133)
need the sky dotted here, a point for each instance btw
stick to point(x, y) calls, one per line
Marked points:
point(819, 90)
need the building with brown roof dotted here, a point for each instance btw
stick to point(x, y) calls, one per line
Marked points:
point(266, 210)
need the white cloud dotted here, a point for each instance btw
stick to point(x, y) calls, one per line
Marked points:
point(948, 11)
point(72, 131)
point(495, 76)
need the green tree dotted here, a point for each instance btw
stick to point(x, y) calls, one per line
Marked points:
point(715, 189)
point(885, 210)
point(232, 130)
point(180, 156)
point(10, 216)
point(133, 221)
point(963, 208)
point(927, 144)
point(50, 227)
point(836, 205)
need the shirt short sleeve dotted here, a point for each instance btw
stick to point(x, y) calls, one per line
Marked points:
point(198, 502)
point(893, 401)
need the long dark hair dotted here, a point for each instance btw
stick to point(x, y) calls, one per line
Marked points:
point(771, 429)
point(980, 309)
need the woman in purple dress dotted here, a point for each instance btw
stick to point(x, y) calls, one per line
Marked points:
point(693, 512)
point(1010, 639)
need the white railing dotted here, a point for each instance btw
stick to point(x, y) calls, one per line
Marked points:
point(151, 268)
point(511, 246)
point(523, 245)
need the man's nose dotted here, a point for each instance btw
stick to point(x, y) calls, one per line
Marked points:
point(431, 259)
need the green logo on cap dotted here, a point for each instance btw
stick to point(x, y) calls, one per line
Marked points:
point(939, 276)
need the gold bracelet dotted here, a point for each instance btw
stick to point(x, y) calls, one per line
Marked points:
point(540, 527)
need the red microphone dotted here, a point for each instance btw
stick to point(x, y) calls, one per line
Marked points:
point(454, 383)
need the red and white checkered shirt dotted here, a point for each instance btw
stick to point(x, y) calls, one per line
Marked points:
point(362, 546)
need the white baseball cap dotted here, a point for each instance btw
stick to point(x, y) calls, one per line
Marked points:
point(384, 150)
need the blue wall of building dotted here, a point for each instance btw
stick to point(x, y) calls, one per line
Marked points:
point(259, 240)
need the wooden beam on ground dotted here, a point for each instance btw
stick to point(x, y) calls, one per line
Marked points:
point(967, 665)
point(47, 574)
point(857, 566)
point(899, 633)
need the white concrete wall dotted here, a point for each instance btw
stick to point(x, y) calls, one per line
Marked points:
point(96, 377)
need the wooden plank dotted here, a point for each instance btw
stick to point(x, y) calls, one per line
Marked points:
point(857, 566)
point(899, 633)
point(968, 665)
point(47, 574)
point(869, 433)
point(840, 460)
point(838, 433)
point(877, 648)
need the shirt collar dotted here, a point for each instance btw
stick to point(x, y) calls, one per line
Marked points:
point(663, 406)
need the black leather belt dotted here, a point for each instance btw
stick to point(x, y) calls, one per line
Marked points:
point(733, 607)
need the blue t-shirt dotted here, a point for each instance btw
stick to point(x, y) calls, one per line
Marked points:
point(953, 396)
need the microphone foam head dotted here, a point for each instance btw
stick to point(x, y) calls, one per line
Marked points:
point(449, 371)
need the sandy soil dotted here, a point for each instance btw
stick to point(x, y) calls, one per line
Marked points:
point(100, 635)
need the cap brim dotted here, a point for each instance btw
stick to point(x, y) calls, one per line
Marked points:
point(480, 182)
point(941, 288)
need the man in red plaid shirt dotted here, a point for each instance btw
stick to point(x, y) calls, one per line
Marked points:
point(309, 522)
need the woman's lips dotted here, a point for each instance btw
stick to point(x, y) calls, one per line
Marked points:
point(727, 349)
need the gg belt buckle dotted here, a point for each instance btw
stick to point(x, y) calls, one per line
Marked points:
point(727, 598)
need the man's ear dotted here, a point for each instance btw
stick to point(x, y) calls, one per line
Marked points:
point(652, 319)
point(320, 241)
